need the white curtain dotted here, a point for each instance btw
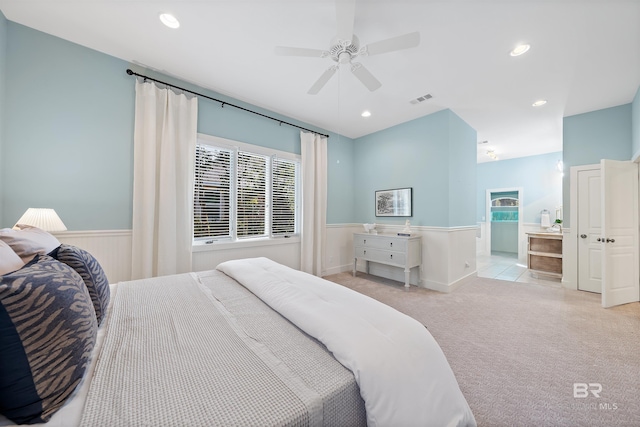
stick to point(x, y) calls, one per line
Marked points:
point(314, 201)
point(164, 155)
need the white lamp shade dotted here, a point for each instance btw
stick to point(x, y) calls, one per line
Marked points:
point(43, 218)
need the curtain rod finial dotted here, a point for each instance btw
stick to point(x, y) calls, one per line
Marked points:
point(129, 71)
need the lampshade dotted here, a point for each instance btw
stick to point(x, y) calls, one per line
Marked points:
point(43, 218)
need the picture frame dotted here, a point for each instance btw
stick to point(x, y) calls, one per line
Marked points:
point(395, 202)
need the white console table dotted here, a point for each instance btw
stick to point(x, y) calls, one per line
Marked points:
point(389, 249)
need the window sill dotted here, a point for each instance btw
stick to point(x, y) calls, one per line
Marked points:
point(266, 241)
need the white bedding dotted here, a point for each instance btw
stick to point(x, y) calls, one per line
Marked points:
point(403, 375)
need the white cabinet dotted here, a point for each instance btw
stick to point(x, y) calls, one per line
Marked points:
point(397, 251)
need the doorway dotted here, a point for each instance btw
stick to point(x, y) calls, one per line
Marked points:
point(504, 222)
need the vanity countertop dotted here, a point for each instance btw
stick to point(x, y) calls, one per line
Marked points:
point(547, 234)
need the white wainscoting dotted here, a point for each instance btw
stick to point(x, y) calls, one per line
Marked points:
point(112, 249)
point(481, 238)
point(338, 250)
point(448, 254)
point(284, 251)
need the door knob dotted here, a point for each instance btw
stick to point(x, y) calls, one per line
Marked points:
point(610, 240)
point(584, 236)
point(599, 240)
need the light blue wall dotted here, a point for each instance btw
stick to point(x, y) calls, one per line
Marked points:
point(635, 125)
point(433, 155)
point(3, 74)
point(340, 191)
point(462, 172)
point(69, 134)
point(590, 137)
point(538, 176)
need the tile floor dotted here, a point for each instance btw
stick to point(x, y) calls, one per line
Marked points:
point(505, 266)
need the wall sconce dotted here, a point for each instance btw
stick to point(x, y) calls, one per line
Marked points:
point(492, 154)
point(43, 218)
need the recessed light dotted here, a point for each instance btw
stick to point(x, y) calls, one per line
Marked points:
point(366, 113)
point(539, 103)
point(169, 20)
point(520, 49)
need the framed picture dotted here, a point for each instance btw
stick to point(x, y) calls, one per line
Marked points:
point(393, 202)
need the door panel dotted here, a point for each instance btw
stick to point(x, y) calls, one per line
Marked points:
point(589, 225)
point(595, 267)
point(620, 279)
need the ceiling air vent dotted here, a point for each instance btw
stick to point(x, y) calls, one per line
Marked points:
point(421, 99)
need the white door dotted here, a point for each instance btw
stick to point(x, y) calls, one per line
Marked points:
point(619, 186)
point(589, 231)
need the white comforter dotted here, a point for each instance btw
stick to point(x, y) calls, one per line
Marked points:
point(404, 377)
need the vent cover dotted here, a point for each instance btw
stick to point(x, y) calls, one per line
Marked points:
point(420, 99)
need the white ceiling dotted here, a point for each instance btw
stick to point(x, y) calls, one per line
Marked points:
point(585, 56)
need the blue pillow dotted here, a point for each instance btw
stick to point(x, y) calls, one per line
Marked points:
point(91, 272)
point(48, 330)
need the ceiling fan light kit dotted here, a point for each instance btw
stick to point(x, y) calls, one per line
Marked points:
point(345, 47)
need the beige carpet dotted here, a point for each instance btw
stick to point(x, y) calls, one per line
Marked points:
point(517, 349)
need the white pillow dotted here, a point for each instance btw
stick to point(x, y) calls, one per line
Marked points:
point(9, 260)
point(29, 241)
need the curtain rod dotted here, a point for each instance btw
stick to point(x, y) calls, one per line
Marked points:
point(223, 103)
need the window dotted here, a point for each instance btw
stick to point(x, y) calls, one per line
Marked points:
point(244, 192)
point(283, 196)
point(251, 195)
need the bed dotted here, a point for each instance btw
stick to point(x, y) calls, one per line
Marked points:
point(257, 343)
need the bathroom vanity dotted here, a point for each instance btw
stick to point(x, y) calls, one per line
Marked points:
point(544, 253)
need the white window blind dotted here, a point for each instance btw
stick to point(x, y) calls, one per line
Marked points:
point(240, 194)
point(252, 195)
point(284, 191)
point(212, 193)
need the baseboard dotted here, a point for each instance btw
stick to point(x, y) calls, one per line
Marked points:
point(338, 269)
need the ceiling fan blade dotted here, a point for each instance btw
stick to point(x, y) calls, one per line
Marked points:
point(365, 76)
point(345, 16)
point(395, 43)
point(300, 51)
point(324, 78)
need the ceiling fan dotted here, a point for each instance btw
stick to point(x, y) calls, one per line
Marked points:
point(345, 47)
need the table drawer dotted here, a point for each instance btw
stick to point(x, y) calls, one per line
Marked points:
point(381, 256)
point(381, 242)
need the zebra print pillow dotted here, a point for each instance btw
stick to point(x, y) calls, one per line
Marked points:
point(91, 272)
point(48, 330)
